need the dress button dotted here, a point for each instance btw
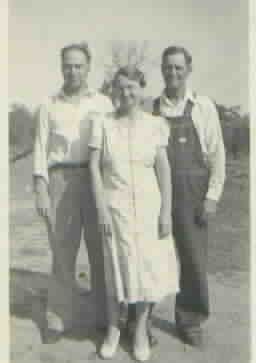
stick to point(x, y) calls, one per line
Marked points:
point(182, 140)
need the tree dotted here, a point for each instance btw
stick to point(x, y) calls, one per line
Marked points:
point(121, 54)
point(21, 131)
point(235, 128)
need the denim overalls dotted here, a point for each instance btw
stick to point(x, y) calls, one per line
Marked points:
point(190, 178)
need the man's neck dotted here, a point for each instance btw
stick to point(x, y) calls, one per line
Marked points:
point(75, 93)
point(175, 95)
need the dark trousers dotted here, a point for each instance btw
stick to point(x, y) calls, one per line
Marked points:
point(73, 212)
point(191, 235)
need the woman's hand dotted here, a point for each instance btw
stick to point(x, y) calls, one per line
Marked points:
point(42, 201)
point(43, 204)
point(105, 222)
point(165, 225)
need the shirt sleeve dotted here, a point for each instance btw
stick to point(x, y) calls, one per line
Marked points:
point(108, 105)
point(41, 143)
point(105, 105)
point(163, 132)
point(96, 131)
point(215, 153)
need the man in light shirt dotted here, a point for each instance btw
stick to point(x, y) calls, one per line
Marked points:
point(197, 159)
point(62, 183)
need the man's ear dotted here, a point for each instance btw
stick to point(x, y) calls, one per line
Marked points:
point(190, 68)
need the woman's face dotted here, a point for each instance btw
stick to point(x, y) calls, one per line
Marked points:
point(128, 92)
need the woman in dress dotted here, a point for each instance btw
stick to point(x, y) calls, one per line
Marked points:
point(131, 182)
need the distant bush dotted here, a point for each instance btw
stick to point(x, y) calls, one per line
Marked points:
point(236, 130)
point(21, 131)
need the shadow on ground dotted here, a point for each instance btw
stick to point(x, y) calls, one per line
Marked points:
point(165, 326)
point(28, 300)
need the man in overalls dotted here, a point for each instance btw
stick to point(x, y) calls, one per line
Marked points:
point(63, 189)
point(197, 159)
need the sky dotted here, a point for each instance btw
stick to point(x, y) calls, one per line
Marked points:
point(215, 32)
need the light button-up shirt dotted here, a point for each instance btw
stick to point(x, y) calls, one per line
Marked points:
point(63, 130)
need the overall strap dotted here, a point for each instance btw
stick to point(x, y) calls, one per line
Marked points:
point(156, 107)
point(188, 108)
point(187, 111)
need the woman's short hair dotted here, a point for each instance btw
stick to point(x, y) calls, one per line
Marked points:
point(177, 49)
point(82, 46)
point(132, 73)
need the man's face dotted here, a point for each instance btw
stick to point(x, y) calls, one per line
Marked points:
point(175, 70)
point(128, 92)
point(75, 68)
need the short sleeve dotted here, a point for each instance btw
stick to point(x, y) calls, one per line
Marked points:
point(163, 132)
point(96, 131)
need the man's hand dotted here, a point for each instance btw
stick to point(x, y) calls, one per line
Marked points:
point(43, 204)
point(165, 225)
point(210, 208)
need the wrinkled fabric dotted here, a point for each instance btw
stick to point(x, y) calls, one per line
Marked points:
point(138, 266)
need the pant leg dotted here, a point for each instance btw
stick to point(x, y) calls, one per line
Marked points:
point(131, 313)
point(192, 302)
point(93, 241)
point(64, 233)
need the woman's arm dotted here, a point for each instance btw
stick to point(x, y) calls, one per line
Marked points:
point(163, 173)
point(98, 191)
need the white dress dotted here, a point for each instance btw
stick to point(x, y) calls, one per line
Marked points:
point(138, 265)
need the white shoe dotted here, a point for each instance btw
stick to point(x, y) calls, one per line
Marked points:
point(54, 321)
point(142, 353)
point(109, 346)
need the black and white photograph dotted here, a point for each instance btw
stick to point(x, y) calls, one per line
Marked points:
point(129, 181)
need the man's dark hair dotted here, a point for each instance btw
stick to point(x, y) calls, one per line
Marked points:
point(83, 47)
point(176, 49)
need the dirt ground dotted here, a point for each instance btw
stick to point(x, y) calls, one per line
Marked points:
point(227, 332)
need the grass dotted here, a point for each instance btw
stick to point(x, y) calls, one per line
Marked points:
point(229, 247)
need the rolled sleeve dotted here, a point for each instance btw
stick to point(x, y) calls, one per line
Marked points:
point(41, 142)
point(215, 154)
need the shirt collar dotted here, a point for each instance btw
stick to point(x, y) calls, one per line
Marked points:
point(168, 108)
point(189, 95)
point(87, 92)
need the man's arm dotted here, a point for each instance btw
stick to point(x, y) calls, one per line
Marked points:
point(40, 172)
point(216, 158)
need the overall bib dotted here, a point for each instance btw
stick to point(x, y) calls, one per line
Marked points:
point(190, 178)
